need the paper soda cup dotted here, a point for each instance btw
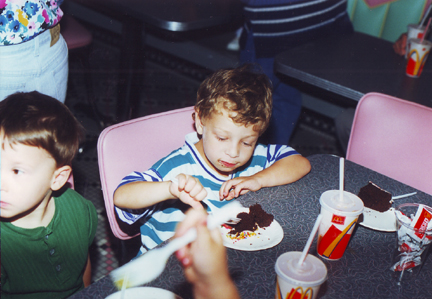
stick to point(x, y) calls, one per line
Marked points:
point(337, 224)
point(294, 282)
point(414, 31)
point(417, 56)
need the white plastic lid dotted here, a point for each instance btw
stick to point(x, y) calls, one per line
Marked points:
point(425, 41)
point(312, 272)
point(351, 205)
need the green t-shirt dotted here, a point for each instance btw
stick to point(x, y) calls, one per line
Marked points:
point(48, 262)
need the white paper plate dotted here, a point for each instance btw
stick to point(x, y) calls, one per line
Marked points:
point(264, 238)
point(145, 293)
point(385, 221)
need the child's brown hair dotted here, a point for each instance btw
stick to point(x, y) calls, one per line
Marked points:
point(241, 90)
point(35, 119)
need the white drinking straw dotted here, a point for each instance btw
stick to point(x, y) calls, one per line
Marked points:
point(309, 241)
point(426, 15)
point(341, 177)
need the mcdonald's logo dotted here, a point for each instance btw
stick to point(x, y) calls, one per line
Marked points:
point(422, 224)
point(296, 293)
point(338, 219)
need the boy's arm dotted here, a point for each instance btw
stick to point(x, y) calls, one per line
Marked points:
point(284, 171)
point(143, 194)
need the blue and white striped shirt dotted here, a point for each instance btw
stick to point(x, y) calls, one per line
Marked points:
point(159, 221)
point(278, 25)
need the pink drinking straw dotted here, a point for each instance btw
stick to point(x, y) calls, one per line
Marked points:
point(425, 31)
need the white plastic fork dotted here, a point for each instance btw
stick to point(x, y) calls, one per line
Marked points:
point(231, 221)
point(402, 196)
point(150, 265)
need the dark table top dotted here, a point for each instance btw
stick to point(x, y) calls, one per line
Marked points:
point(171, 15)
point(347, 67)
point(176, 16)
point(363, 271)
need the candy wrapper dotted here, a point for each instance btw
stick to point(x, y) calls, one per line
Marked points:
point(414, 236)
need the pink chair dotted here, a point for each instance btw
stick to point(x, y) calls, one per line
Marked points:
point(135, 145)
point(70, 181)
point(393, 137)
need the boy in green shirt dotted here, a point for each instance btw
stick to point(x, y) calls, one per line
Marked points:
point(46, 230)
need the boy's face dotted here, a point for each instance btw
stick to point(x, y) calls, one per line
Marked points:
point(225, 145)
point(27, 175)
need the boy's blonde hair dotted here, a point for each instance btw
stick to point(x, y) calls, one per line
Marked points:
point(39, 120)
point(241, 90)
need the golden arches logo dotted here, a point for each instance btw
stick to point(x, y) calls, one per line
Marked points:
point(419, 61)
point(338, 219)
point(296, 293)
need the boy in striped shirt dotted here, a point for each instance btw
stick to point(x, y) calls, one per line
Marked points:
point(219, 162)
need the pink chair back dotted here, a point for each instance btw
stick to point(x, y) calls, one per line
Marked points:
point(70, 181)
point(135, 145)
point(393, 137)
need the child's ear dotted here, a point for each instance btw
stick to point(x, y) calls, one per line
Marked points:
point(61, 175)
point(198, 124)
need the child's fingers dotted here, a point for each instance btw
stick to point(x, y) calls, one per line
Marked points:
point(236, 191)
point(225, 189)
point(197, 192)
point(202, 194)
point(191, 184)
point(231, 195)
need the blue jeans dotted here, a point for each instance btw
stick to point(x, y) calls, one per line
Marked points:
point(286, 99)
point(35, 65)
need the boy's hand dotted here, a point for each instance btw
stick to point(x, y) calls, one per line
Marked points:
point(238, 186)
point(189, 190)
point(400, 45)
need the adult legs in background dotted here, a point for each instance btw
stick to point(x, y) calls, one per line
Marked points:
point(35, 65)
point(286, 99)
point(286, 110)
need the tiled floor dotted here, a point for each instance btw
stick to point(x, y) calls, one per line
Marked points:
point(164, 88)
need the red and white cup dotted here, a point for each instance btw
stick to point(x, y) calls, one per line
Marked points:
point(337, 224)
point(299, 282)
point(417, 55)
point(414, 31)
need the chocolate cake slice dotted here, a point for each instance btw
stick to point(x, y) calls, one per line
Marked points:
point(251, 221)
point(375, 198)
